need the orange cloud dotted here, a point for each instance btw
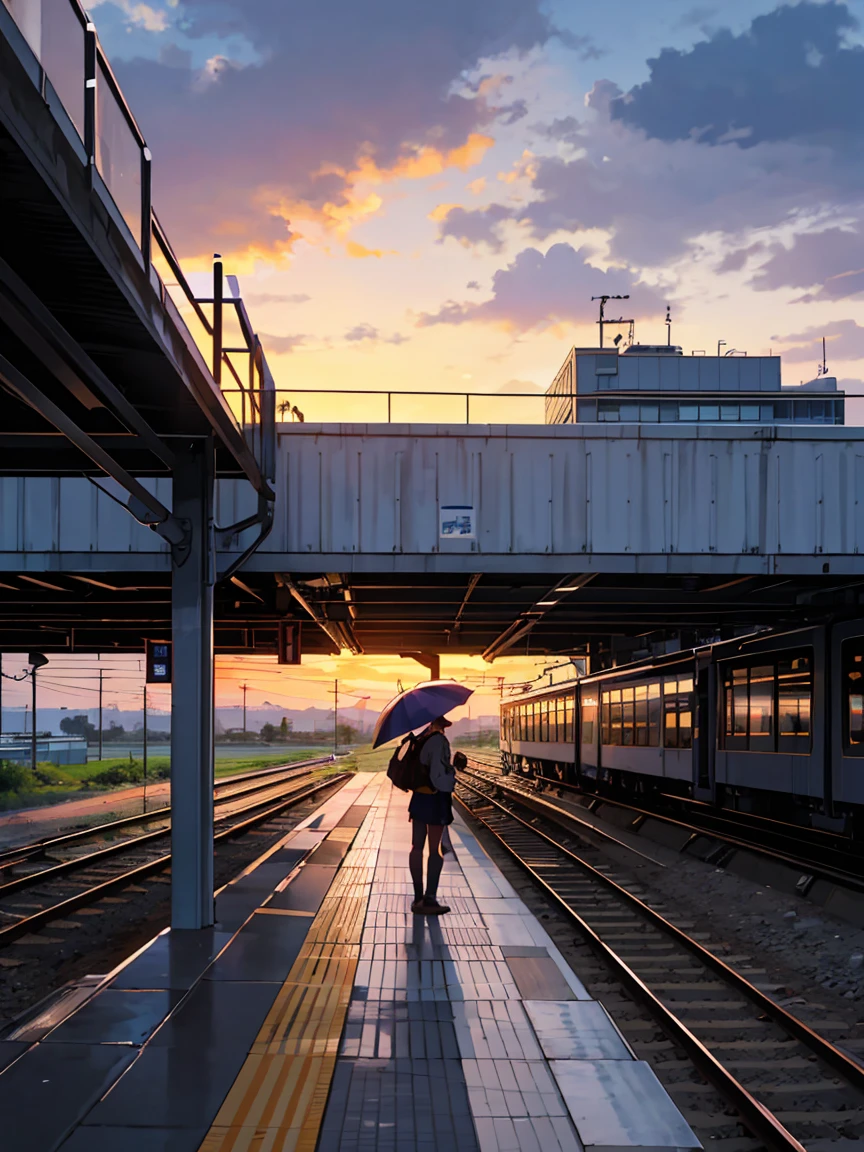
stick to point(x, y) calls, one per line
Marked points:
point(524, 168)
point(358, 202)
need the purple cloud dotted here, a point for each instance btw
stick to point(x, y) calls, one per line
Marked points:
point(536, 291)
point(831, 262)
point(475, 225)
point(844, 341)
point(234, 154)
point(791, 76)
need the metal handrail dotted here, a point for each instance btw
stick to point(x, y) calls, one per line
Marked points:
point(97, 71)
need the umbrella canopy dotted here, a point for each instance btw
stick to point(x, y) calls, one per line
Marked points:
point(417, 707)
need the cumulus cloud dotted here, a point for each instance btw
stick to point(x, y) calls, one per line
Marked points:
point(791, 76)
point(368, 333)
point(286, 137)
point(830, 262)
point(472, 226)
point(709, 144)
point(539, 290)
point(281, 345)
point(844, 341)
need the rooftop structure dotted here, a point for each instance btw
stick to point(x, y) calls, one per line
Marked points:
point(658, 384)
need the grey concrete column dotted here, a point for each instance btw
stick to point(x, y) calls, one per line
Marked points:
point(193, 572)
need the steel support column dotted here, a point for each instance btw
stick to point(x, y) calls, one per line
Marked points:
point(192, 693)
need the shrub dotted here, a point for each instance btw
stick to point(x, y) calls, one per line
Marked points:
point(131, 773)
point(16, 777)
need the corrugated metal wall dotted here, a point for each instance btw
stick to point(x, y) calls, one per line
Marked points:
point(777, 499)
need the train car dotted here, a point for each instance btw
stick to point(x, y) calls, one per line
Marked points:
point(771, 723)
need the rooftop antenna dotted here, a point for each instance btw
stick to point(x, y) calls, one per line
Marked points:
point(603, 321)
point(668, 326)
point(822, 370)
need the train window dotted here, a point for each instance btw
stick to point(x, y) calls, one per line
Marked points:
point(654, 713)
point(641, 734)
point(589, 719)
point(570, 719)
point(852, 656)
point(767, 707)
point(678, 712)
point(793, 705)
point(627, 715)
point(615, 716)
point(762, 708)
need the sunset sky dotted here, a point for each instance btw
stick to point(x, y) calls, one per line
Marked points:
point(426, 195)
point(73, 681)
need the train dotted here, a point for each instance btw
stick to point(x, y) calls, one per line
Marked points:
point(769, 723)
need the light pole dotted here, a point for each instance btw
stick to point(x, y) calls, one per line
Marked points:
point(35, 660)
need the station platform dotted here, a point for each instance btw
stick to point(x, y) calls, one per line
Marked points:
point(319, 1013)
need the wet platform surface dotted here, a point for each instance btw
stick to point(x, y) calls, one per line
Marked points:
point(319, 1013)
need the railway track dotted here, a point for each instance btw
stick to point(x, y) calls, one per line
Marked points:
point(52, 889)
point(815, 853)
point(791, 1087)
point(237, 785)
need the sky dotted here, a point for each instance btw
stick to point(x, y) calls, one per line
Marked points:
point(365, 682)
point(426, 196)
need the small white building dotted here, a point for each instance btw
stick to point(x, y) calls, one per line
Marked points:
point(18, 747)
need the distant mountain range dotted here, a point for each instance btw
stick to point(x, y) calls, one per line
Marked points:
point(227, 718)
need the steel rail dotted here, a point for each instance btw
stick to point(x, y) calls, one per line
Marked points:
point(761, 1122)
point(824, 1049)
point(79, 863)
point(96, 892)
point(560, 815)
point(10, 856)
point(809, 866)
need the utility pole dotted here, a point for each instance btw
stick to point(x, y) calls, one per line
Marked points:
point(33, 734)
point(100, 713)
point(1, 693)
point(335, 717)
point(37, 660)
point(145, 745)
point(244, 687)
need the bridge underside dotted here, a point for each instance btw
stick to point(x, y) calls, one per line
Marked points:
point(378, 614)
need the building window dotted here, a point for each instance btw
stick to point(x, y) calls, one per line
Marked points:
point(689, 413)
point(709, 413)
point(750, 412)
point(729, 412)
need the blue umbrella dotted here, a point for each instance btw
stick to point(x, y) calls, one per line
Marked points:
point(417, 707)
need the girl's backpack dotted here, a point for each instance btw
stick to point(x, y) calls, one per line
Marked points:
point(406, 772)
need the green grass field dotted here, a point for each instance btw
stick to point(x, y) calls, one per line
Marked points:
point(68, 781)
point(364, 759)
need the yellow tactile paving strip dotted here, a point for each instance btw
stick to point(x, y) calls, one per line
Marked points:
point(277, 1102)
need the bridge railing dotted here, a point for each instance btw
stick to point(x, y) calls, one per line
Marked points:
point(76, 79)
point(416, 406)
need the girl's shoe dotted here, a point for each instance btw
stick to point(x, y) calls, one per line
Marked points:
point(419, 906)
point(431, 907)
